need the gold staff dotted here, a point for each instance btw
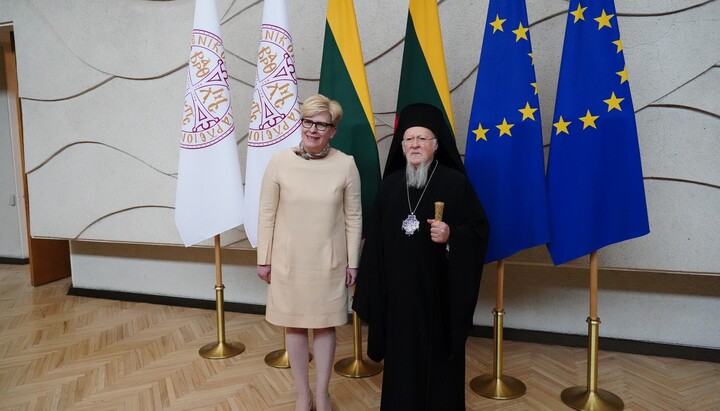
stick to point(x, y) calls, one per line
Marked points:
point(590, 397)
point(220, 349)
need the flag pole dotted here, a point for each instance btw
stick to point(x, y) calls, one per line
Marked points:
point(498, 386)
point(220, 349)
point(356, 366)
point(590, 397)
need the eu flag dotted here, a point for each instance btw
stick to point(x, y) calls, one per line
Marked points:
point(504, 157)
point(595, 183)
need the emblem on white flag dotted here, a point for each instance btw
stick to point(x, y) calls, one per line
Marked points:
point(275, 111)
point(207, 118)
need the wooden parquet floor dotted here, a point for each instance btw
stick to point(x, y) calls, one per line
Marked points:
point(59, 352)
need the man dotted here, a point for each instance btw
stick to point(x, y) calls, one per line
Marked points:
point(418, 278)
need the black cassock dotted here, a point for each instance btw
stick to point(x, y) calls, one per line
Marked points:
point(417, 297)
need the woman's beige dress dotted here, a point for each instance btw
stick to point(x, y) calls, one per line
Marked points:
point(309, 229)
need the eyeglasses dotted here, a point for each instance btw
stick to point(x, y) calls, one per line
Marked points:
point(319, 125)
point(420, 139)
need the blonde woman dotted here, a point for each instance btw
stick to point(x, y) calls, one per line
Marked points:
point(309, 230)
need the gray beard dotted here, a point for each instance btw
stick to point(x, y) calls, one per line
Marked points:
point(417, 178)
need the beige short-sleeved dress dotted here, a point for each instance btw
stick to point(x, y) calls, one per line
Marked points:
point(309, 230)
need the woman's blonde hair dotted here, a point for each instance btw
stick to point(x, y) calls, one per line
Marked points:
point(317, 104)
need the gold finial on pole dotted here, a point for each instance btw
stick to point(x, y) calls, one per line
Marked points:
point(498, 386)
point(590, 397)
point(221, 348)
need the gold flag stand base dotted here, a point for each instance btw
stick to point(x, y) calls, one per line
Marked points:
point(498, 386)
point(590, 398)
point(356, 366)
point(278, 359)
point(221, 349)
point(281, 358)
point(580, 398)
point(502, 388)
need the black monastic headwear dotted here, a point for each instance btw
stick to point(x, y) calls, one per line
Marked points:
point(430, 117)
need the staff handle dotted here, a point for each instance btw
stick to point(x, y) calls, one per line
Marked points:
point(439, 206)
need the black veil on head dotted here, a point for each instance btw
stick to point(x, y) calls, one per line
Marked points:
point(430, 117)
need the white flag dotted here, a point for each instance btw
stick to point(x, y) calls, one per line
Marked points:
point(275, 114)
point(209, 197)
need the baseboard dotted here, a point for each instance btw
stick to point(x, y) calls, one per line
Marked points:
point(509, 334)
point(604, 343)
point(166, 300)
point(15, 261)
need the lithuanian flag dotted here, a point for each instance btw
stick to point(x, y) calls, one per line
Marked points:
point(342, 78)
point(423, 78)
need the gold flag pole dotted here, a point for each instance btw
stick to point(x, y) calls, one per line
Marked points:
point(356, 366)
point(498, 386)
point(590, 397)
point(220, 349)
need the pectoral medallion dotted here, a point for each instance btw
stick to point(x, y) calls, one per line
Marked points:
point(410, 224)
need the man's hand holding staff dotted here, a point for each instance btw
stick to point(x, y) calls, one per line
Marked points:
point(439, 231)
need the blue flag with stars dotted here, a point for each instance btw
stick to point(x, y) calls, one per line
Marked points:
point(595, 184)
point(504, 153)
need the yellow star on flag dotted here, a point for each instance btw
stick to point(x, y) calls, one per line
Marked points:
point(578, 13)
point(613, 102)
point(480, 132)
point(562, 126)
point(532, 59)
point(497, 24)
point(504, 128)
point(528, 112)
point(535, 87)
point(618, 43)
point(520, 32)
point(589, 120)
point(623, 75)
point(604, 20)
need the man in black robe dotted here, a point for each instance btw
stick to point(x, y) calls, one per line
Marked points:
point(418, 278)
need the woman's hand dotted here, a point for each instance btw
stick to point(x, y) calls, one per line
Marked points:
point(263, 272)
point(439, 231)
point(350, 276)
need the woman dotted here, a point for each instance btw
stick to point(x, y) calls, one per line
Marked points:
point(309, 229)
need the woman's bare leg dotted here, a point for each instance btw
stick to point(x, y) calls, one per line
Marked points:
point(324, 351)
point(298, 349)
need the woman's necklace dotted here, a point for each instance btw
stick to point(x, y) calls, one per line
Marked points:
point(411, 223)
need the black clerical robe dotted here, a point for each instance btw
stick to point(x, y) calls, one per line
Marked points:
point(417, 296)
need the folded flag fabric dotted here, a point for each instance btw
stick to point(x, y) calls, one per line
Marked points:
point(504, 153)
point(595, 184)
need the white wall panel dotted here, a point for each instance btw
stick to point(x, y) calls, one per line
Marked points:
point(47, 68)
point(64, 201)
point(133, 39)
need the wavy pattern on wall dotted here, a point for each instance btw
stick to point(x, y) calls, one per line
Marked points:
point(102, 107)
